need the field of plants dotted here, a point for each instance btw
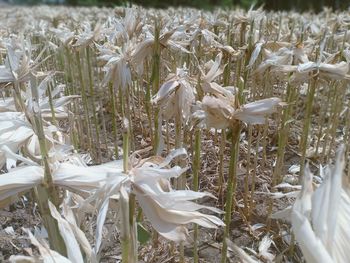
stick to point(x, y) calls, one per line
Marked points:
point(177, 135)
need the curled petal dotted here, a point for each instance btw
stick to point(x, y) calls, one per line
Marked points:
point(256, 112)
point(18, 181)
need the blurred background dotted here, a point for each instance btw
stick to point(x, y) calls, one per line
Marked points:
point(297, 5)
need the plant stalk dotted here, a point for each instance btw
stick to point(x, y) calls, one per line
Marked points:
point(196, 170)
point(231, 187)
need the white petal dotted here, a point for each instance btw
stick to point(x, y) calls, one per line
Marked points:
point(165, 90)
point(48, 255)
point(214, 70)
point(22, 259)
point(264, 247)
point(72, 246)
point(241, 253)
point(256, 112)
point(255, 54)
point(312, 247)
point(18, 180)
point(85, 178)
point(78, 233)
point(167, 221)
point(172, 155)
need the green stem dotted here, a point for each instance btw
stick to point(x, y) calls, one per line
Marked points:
point(282, 143)
point(155, 80)
point(125, 231)
point(252, 191)
point(51, 104)
point(221, 162)
point(133, 229)
point(129, 234)
point(178, 144)
point(126, 135)
point(196, 170)
point(247, 176)
point(46, 191)
point(338, 105)
point(283, 134)
point(92, 97)
point(84, 97)
point(114, 120)
point(129, 117)
point(231, 187)
point(306, 128)
point(322, 117)
point(148, 107)
point(70, 80)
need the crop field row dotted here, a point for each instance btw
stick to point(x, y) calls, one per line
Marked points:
point(177, 135)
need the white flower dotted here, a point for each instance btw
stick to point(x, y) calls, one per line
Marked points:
point(64, 34)
point(167, 209)
point(256, 112)
point(118, 67)
point(219, 112)
point(145, 48)
point(176, 96)
point(88, 36)
point(16, 132)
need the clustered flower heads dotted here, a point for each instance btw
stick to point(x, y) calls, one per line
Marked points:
point(17, 130)
point(167, 209)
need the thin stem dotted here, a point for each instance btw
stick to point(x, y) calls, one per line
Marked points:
point(196, 170)
point(46, 191)
point(54, 122)
point(114, 120)
point(283, 134)
point(306, 128)
point(148, 107)
point(79, 141)
point(125, 230)
point(155, 80)
point(247, 176)
point(252, 191)
point(92, 97)
point(133, 229)
point(126, 135)
point(231, 187)
point(84, 97)
point(129, 234)
point(221, 162)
